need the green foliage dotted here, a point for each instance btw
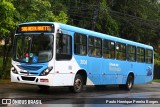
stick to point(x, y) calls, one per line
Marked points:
point(156, 80)
point(1, 61)
point(106, 24)
point(7, 25)
point(139, 20)
point(5, 81)
point(136, 20)
point(62, 17)
point(89, 14)
point(14, 12)
point(37, 10)
point(6, 19)
point(6, 73)
point(157, 58)
point(32, 10)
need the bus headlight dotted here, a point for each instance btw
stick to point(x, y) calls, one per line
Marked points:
point(46, 71)
point(13, 69)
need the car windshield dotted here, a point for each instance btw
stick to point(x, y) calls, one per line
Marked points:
point(33, 48)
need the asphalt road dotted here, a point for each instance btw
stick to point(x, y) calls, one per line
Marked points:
point(140, 96)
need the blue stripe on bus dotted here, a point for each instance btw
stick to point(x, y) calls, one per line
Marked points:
point(33, 68)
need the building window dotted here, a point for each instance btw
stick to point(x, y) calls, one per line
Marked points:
point(108, 49)
point(95, 46)
point(80, 44)
point(120, 51)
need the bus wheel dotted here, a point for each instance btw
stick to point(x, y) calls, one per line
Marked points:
point(43, 87)
point(129, 84)
point(78, 84)
point(130, 81)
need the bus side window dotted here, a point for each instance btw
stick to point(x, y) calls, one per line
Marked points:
point(80, 44)
point(131, 53)
point(120, 51)
point(94, 46)
point(149, 56)
point(108, 49)
point(63, 47)
point(140, 54)
point(94, 52)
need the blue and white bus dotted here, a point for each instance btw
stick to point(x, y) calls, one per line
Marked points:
point(54, 54)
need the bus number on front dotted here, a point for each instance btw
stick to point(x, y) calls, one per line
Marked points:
point(84, 62)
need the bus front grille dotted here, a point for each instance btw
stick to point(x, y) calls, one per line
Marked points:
point(29, 67)
point(28, 78)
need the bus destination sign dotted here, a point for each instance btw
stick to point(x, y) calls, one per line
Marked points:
point(34, 28)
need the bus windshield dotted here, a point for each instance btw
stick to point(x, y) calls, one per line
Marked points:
point(35, 48)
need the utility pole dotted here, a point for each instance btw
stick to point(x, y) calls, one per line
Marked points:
point(95, 15)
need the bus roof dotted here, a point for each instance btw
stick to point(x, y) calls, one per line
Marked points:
point(92, 33)
point(37, 23)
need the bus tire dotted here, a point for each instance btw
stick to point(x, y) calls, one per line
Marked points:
point(78, 84)
point(43, 87)
point(129, 83)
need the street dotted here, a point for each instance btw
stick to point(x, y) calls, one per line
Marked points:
point(91, 96)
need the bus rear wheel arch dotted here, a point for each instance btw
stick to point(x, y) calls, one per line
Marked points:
point(79, 81)
point(129, 82)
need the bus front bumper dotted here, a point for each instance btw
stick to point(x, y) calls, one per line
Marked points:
point(31, 79)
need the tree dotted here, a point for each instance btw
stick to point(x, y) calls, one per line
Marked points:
point(137, 19)
point(6, 26)
point(14, 12)
point(6, 19)
point(37, 10)
point(106, 24)
point(89, 14)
